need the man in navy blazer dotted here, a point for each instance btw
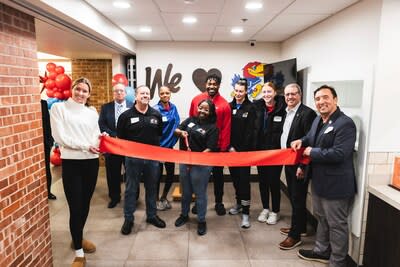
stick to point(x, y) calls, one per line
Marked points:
point(330, 145)
point(297, 123)
point(108, 123)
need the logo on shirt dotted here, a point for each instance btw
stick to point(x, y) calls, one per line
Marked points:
point(153, 121)
point(201, 131)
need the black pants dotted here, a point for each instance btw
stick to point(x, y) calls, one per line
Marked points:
point(241, 183)
point(269, 182)
point(170, 169)
point(114, 177)
point(297, 189)
point(218, 177)
point(79, 180)
point(47, 150)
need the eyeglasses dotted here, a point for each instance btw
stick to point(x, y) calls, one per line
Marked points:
point(118, 91)
point(291, 94)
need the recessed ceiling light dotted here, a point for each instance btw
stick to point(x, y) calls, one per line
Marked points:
point(145, 29)
point(237, 30)
point(121, 4)
point(189, 20)
point(253, 5)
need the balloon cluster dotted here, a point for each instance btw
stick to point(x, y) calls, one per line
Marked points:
point(55, 157)
point(56, 82)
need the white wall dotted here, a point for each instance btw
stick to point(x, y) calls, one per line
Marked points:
point(229, 58)
point(385, 130)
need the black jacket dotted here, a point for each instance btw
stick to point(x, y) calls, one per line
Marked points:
point(243, 134)
point(269, 125)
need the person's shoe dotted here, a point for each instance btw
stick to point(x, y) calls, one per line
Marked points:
point(310, 255)
point(286, 230)
point(220, 209)
point(263, 215)
point(79, 262)
point(87, 246)
point(273, 218)
point(51, 196)
point(160, 206)
point(245, 222)
point(127, 227)
point(156, 221)
point(194, 209)
point(235, 209)
point(166, 203)
point(181, 220)
point(289, 243)
point(113, 203)
point(201, 228)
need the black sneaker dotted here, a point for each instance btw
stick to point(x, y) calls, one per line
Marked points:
point(156, 221)
point(126, 228)
point(201, 228)
point(194, 209)
point(220, 208)
point(181, 220)
point(310, 255)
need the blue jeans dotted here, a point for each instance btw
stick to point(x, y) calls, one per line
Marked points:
point(135, 168)
point(194, 179)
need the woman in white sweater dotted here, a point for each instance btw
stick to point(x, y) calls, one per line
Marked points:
point(74, 127)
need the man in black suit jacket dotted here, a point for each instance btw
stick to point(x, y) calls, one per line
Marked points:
point(297, 123)
point(330, 145)
point(108, 123)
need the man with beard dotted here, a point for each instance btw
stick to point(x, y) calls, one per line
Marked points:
point(143, 124)
point(223, 111)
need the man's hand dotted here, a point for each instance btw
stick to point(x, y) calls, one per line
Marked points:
point(296, 144)
point(299, 173)
point(307, 151)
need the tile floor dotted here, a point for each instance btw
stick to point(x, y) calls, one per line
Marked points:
point(225, 244)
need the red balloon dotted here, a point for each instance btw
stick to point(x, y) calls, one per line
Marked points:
point(67, 94)
point(55, 158)
point(58, 95)
point(52, 75)
point(63, 81)
point(50, 84)
point(119, 78)
point(50, 67)
point(59, 70)
point(50, 93)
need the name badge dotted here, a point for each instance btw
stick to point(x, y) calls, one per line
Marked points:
point(164, 119)
point(190, 125)
point(134, 120)
point(234, 111)
point(277, 119)
point(329, 129)
point(245, 115)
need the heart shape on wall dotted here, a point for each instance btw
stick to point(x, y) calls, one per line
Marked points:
point(199, 77)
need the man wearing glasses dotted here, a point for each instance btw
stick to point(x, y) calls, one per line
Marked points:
point(108, 122)
point(297, 123)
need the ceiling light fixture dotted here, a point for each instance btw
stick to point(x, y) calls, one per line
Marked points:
point(237, 30)
point(189, 20)
point(253, 5)
point(145, 29)
point(121, 4)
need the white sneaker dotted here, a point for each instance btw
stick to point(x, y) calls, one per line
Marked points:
point(245, 221)
point(160, 205)
point(166, 203)
point(263, 215)
point(235, 209)
point(273, 218)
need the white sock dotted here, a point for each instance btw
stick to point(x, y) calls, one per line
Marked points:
point(79, 253)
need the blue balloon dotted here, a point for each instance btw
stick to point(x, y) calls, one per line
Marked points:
point(130, 94)
point(51, 101)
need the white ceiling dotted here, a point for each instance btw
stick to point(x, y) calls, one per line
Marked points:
point(275, 22)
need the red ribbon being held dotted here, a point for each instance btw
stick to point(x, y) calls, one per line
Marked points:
point(235, 159)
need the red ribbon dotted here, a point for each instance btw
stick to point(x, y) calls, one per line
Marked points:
point(253, 158)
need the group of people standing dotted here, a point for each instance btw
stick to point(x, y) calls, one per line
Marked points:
point(213, 125)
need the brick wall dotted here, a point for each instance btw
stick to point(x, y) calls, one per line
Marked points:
point(99, 72)
point(24, 215)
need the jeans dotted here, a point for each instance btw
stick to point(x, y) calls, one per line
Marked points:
point(194, 179)
point(135, 168)
point(270, 183)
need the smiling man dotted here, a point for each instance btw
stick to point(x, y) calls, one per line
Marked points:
point(142, 124)
point(330, 145)
point(223, 111)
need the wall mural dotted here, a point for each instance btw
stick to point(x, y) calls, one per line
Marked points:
point(158, 81)
point(199, 77)
point(254, 73)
